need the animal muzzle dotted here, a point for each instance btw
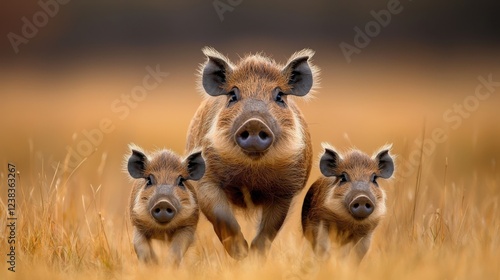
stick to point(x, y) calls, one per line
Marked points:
point(163, 211)
point(254, 136)
point(361, 207)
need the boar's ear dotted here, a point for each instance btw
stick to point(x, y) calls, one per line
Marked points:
point(329, 162)
point(213, 74)
point(195, 166)
point(385, 164)
point(299, 73)
point(137, 164)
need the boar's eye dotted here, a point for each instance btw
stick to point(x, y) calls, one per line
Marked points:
point(180, 182)
point(234, 96)
point(278, 96)
point(150, 180)
point(373, 179)
point(343, 178)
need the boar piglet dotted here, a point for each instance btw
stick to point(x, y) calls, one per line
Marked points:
point(255, 141)
point(345, 206)
point(163, 204)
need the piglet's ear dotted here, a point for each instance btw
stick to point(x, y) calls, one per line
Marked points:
point(195, 166)
point(137, 164)
point(299, 73)
point(385, 164)
point(329, 162)
point(214, 72)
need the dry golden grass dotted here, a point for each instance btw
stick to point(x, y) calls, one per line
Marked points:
point(442, 220)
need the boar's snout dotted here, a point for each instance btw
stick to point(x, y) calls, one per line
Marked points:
point(361, 207)
point(163, 211)
point(254, 136)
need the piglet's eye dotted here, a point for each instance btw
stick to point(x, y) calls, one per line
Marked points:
point(150, 181)
point(180, 182)
point(279, 97)
point(373, 179)
point(343, 178)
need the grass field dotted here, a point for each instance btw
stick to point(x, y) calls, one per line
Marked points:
point(443, 205)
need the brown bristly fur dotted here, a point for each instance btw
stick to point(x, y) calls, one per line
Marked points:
point(166, 167)
point(235, 179)
point(325, 215)
point(253, 67)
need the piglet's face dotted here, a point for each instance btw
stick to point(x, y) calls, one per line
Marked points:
point(163, 195)
point(356, 194)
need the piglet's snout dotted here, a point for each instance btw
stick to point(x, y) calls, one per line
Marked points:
point(163, 211)
point(361, 207)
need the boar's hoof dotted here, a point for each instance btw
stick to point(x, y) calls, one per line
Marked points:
point(361, 207)
point(260, 245)
point(163, 212)
point(236, 247)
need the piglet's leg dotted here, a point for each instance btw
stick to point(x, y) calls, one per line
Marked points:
point(214, 204)
point(323, 244)
point(143, 249)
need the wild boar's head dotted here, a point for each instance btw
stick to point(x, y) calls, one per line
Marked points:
point(356, 193)
point(256, 113)
point(162, 197)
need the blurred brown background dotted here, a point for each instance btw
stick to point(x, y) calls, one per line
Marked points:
point(83, 62)
point(80, 80)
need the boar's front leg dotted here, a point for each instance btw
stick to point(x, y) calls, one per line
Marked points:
point(180, 242)
point(214, 204)
point(361, 248)
point(143, 249)
point(273, 217)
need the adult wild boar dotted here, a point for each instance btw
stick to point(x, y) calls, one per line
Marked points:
point(255, 141)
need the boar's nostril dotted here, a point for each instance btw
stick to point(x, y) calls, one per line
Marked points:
point(263, 135)
point(254, 136)
point(244, 135)
point(163, 212)
point(361, 207)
